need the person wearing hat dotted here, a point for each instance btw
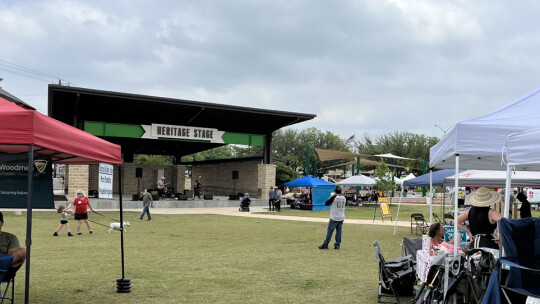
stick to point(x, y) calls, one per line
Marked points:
point(9, 244)
point(482, 219)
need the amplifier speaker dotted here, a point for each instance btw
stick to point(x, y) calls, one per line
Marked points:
point(138, 172)
point(235, 174)
point(234, 197)
point(155, 197)
point(208, 197)
point(181, 197)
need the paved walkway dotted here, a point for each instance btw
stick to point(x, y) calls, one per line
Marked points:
point(233, 211)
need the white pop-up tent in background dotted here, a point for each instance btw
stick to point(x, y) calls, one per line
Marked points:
point(478, 143)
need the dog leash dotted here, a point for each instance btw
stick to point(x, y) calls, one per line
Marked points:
point(105, 216)
point(99, 224)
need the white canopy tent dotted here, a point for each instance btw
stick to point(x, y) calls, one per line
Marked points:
point(357, 180)
point(492, 178)
point(478, 143)
point(406, 178)
point(522, 153)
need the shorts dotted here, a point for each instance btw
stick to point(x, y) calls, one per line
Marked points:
point(81, 216)
point(63, 222)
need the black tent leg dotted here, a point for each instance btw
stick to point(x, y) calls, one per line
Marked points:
point(29, 221)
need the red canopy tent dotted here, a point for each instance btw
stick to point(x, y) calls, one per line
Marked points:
point(25, 130)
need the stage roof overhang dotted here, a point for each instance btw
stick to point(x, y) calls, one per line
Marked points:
point(78, 106)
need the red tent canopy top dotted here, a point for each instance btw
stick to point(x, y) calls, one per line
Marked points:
point(21, 127)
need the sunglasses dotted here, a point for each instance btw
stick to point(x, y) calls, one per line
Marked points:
point(79, 193)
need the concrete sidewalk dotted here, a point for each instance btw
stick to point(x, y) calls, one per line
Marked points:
point(233, 211)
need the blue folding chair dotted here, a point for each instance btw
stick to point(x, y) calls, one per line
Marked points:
point(5, 262)
point(517, 273)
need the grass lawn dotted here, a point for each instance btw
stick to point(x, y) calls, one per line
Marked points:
point(202, 259)
point(206, 259)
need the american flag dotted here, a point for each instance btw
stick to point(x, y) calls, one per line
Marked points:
point(350, 140)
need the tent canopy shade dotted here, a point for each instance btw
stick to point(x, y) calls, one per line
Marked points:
point(492, 178)
point(310, 182)
point(357, 180)
point(480, 141)
point(363, 162)
point(522, 150)
point(390, 155)
point(437, 178)
point(21, 127)
point(325, 155)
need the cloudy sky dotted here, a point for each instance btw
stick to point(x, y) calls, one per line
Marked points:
point(361, 66)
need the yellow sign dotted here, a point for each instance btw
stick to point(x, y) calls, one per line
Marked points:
point(385, 207)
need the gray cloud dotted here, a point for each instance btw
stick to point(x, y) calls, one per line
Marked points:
point(361, 66)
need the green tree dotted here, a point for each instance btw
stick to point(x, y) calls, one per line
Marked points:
point(384, 178)
point(284, 174)
point(290, 146)
point(405, 144)
point(153, 159)
point(223, 152)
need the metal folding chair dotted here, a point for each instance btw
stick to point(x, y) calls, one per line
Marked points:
point(419, 222)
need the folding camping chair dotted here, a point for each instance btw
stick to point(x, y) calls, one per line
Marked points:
point(409, 246)
point(419, 222)
point(396, 276)
point(436, 218)
point(519, 269)
point(5, 262)
point(9, 279)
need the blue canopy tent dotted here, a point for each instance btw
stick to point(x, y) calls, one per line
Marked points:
point(321, 189)
point(437, 178)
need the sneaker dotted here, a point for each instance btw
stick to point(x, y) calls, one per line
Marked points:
point(69, 234)
point(78, 233)
point(323, 246)
point(55, 234)
point(336, 247)
point(91, 232)
point(140, 220)
point(149, 220)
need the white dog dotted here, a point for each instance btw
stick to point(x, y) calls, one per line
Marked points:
point(116, 226)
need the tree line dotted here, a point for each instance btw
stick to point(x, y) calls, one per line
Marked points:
point(289, 151)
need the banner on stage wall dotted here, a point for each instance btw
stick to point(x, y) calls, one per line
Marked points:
point(385, 207)
point(14, 182)
point(105, 184)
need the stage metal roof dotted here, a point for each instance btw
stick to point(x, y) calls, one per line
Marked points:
point(74, 106)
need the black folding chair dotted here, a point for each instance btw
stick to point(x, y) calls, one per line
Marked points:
point(409, 246)
point(9, 279)
point(396, 277)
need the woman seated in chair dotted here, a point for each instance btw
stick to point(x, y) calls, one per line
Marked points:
point(437, 244)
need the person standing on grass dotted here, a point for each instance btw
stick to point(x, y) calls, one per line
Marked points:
point(278, 195)
point(147, 202)
point(63, 221)
point(337, 216)
point(271, 198)
point(80, 205)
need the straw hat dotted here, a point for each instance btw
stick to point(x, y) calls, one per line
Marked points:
point(483, 197)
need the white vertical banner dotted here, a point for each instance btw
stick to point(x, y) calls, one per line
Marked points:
point(105, 184)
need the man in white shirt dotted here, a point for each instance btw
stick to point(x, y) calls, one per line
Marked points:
point(337, 204)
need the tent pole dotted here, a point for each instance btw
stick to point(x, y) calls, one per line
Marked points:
point(456, 184)
point(430, 196)
point(507, 191)
point(29, 221)
point(399, 205)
